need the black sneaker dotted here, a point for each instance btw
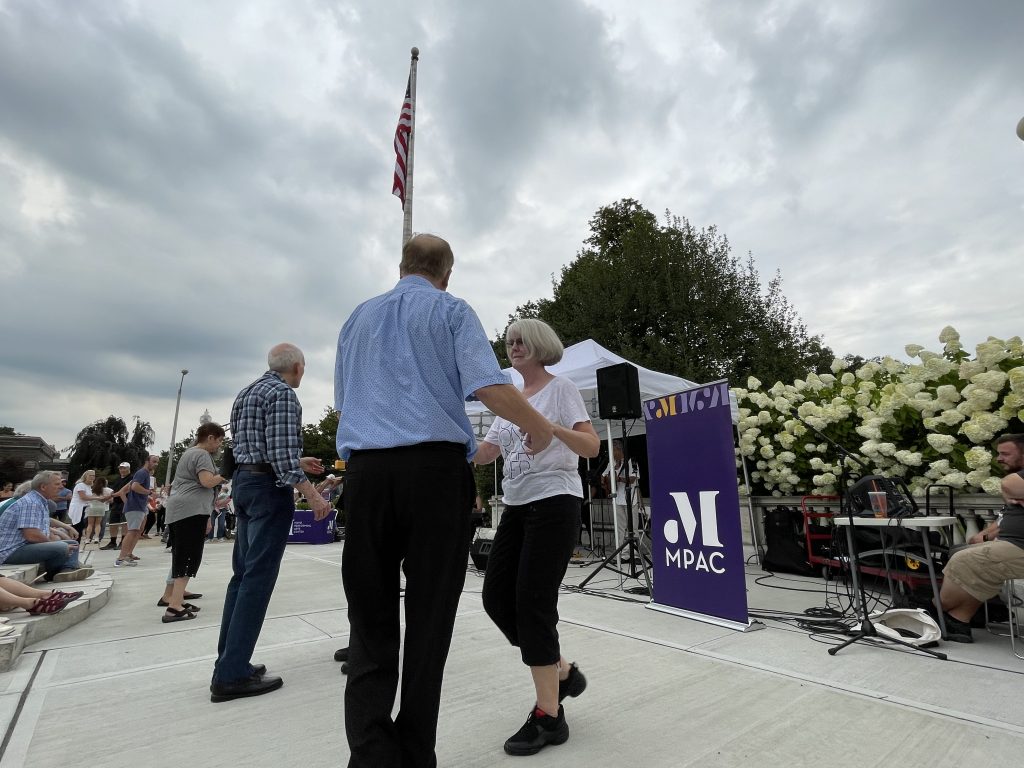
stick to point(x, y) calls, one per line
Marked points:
point(538, 731)
point(957, 631)
point(573, 685)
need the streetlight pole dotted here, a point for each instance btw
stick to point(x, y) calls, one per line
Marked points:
point(174, 429)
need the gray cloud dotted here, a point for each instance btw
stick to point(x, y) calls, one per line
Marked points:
point(183, 186)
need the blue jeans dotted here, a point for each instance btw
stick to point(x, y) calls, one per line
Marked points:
point(55, 556)
point(264, 514)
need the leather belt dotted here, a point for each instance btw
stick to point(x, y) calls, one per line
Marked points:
point(263, 468)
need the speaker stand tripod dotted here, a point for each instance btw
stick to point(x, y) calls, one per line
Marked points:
point(637, 562)
point(867, 628)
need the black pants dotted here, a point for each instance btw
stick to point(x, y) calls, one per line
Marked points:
point(187, 549)
point(408, 508)
point(530, 553)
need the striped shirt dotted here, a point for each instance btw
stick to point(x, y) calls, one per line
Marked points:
point(407, 361)
point(266, 426)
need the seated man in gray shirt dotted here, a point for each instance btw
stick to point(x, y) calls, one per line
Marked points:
point(976, 573)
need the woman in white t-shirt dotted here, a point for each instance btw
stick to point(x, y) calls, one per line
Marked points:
point(535, 539)
point(81, 495)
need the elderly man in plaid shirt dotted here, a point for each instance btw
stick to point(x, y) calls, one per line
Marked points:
point(266, 430)
point(25, 535)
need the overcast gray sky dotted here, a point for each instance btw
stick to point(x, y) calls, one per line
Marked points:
point(182, 185)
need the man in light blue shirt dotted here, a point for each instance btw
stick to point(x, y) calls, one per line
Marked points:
point(407, 361)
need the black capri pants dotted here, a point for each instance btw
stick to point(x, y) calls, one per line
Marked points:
point(188, 536)
point(528, 559)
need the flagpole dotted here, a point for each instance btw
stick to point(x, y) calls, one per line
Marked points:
point(407, 223)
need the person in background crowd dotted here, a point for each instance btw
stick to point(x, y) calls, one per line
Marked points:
point(406, 362)
point(153, 505)
point(80, 498)
point(537, 533)
point(96, 509)
point(120, 490)
point(26, 536)
point(624, 479)
point(266, 430)
point(217, 530)
point(161, 510)
point(195, 478)
point(7, 491)
point(63, 499)
point(136, 507)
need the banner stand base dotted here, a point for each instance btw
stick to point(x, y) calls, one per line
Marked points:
point(751, 626)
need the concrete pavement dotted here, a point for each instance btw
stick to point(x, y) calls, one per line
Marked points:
point(123, 689)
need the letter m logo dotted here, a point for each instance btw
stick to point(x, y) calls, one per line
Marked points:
point(708, 519)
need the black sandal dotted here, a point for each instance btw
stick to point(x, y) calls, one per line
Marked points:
point(161, 603)
point(183, 615)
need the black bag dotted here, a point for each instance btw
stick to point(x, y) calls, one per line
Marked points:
point(227, 463)
point(785, 543)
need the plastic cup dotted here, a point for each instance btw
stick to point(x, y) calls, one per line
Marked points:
point(879, 503)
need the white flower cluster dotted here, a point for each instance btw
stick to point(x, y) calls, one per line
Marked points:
point(930, 420)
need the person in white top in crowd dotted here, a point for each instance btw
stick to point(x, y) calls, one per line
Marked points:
point(81, 495)
point(623, 479)
point(543, 494)
point(96, 509)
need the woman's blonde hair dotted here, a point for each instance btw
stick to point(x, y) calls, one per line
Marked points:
point(541, 342)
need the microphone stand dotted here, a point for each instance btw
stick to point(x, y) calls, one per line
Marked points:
point(867, 628)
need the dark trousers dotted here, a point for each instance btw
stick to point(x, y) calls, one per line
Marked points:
point(408, 508)
point(525, 568)
point(264, 520)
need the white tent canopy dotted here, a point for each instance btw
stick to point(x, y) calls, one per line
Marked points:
point(580, 364)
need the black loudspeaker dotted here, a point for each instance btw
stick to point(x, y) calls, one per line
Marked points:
point(785, 545)
point(479, 552)
point(618, 392)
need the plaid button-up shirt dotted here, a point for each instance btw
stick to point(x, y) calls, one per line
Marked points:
point(30, 511)
point(266, 426)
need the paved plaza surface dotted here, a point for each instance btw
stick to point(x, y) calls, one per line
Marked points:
point(123, 689)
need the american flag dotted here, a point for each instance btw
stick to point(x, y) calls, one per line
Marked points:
point(402, 135)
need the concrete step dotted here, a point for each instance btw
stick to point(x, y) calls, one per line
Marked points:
point(26, 574)
point(30, 629)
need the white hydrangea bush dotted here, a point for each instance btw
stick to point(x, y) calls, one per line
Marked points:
point(929, 420)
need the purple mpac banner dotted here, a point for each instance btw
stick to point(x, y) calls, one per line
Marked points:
point(696, 540)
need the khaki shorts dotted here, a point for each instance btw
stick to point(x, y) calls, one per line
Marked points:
point(981, 569)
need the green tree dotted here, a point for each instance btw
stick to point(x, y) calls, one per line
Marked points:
point(104, 444)
point(673, 298)
point(5, 430)
point(179, 448)
point(320, 439)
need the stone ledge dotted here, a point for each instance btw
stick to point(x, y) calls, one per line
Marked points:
point(30, 629)
point(26, 574)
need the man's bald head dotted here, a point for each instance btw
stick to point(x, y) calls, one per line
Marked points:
point(429, 256)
